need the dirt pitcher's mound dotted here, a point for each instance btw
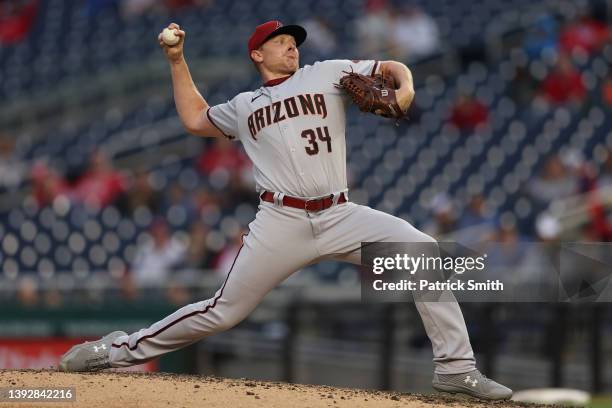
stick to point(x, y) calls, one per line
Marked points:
point(126, 390)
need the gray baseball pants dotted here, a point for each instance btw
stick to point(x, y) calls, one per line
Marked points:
point(281, 241)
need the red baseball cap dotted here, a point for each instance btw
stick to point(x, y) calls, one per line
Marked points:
point(273, 28)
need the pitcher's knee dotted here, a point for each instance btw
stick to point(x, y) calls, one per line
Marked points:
point(417, 241)
point(427, 239)
point(407, 233)
point(223, 316)
point(227, 322)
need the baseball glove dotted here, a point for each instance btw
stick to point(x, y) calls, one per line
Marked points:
point(375, 94)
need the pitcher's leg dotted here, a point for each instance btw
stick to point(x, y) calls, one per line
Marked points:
point(230, 305)
point(443, 321)
point(278, 244)
point(449, 338)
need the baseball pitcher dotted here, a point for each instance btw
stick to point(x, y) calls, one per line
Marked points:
point(293, 129)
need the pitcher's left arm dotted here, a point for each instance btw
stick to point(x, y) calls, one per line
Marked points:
point(403, 80)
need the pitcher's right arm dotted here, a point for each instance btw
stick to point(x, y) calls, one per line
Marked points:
point(190, 105)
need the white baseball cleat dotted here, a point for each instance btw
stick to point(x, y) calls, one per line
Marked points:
point(89, 356)
point(473, 383)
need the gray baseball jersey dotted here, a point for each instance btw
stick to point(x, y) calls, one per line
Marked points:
point(293, 129)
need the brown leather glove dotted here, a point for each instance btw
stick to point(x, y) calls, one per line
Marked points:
point(375, 94)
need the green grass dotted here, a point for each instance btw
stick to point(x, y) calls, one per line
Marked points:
point(601, 402)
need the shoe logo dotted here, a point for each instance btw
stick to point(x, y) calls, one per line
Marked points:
point(468, 380)
point(102, 347)
point(253, 100)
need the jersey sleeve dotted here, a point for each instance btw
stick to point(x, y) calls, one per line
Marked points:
point(336, 69)
point(225, 118)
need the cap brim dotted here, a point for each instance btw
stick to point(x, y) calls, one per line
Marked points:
point(296, 31)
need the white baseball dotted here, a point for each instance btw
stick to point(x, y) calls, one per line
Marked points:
point(169, 37)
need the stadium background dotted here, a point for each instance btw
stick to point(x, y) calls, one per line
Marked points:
point(509, 140)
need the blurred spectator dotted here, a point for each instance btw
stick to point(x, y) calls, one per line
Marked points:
point(227, 169)
point(101, 184)
point(553, 279)
point(95, 7)
point(222, 155)
point(506, 250)
point(506, 247)
point(178, 203)
point(468, 113)
point(599, 228)
point(373, 29)
point(12, 169)
point(539, 271)
point(321, 38)
point(16, 19)
point(444, 217)
point(564, 84)
point(413, 34)
point(226, 258)
point(606, 92)
point(580, 169)
point(30, 294)
point(47, 184)
point(206, 204)
point(27, 292)
point(177, 293)
point(553, 183)
point(604, 180)
point(523, 87)
point(179, 5)
point(476, 224)
point(156, 258)
point(135, 8)
point(198, 255)
point(52, 297)
point(542, 37)
point(140, 193)
point(584, 34)
point(476, 213)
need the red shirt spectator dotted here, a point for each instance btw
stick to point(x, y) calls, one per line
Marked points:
point(101, 185)
point(222, 155)
point(564, 84)
point(468, 113)
point(374, 6)
point(606, 92)
point(599, 226)
point(46, 184)
point(586, 34)
point(183, 4)
point(16, 20)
